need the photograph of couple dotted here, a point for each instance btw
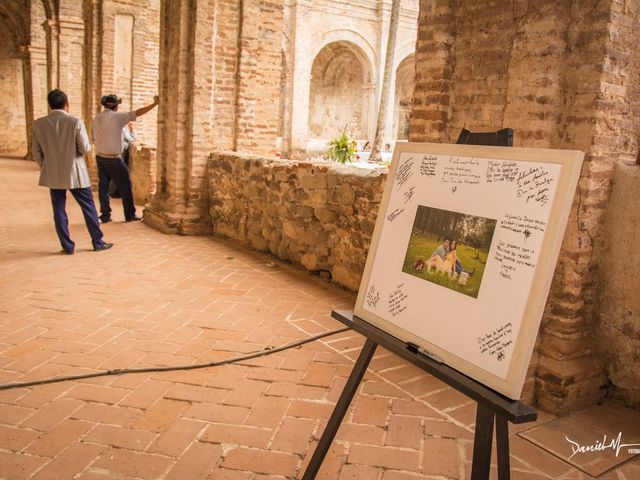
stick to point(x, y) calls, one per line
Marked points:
point(449, 249)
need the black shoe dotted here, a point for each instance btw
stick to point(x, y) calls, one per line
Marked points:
point(104, 246)
point(105, 220)
point(68, 252)
point(134, 219)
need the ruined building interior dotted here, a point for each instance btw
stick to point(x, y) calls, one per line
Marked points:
point(250, 92)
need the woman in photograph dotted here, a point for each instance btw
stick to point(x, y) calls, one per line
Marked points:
point(452, 258)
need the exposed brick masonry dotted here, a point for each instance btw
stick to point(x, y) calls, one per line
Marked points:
point(557, 73)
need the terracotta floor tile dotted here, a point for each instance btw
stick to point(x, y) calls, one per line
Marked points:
point(157, 299)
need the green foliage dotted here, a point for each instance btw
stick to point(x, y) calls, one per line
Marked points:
point(342, 149)
point(421, 246)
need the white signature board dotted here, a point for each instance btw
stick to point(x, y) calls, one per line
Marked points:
point(506, 209)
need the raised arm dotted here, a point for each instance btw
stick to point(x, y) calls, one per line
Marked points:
point(148, 108)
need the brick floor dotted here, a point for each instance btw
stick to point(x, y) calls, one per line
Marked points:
point(156, 300)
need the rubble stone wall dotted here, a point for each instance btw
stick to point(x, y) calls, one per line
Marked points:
point(318, 216)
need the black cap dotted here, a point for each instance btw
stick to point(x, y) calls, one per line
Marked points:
point(110, 101)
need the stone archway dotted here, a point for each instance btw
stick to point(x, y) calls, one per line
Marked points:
point(340, 91)
point(405, 80)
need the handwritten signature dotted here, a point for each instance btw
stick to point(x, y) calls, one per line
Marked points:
point(614, 444)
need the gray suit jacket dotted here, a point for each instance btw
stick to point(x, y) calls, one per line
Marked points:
point(59, 144)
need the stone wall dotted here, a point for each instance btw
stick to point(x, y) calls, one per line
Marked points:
point(618, 323)
point(318, 216)
point(127, 54)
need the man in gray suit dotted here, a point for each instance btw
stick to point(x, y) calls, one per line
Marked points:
point(60, 142)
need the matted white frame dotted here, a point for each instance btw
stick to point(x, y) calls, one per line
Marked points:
point(462, 331)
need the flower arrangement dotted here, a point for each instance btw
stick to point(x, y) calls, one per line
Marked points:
point(341, 149)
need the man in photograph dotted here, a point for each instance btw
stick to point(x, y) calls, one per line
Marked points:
point(442, 250)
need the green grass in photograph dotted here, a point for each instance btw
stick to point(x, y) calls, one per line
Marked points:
point(422, 247)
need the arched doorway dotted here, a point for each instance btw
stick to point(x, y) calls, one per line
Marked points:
point(13, 122)
point(340, 93)
point(405, 80)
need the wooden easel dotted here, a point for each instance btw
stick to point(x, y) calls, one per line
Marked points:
point(492, 406)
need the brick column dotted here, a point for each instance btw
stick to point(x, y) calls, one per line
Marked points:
point(227, 98)
point(185, 117)
point(434, 72)
point(259, 76)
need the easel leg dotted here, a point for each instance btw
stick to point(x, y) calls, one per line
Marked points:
point(483, 439)
point(502, 445)
point(340, 409)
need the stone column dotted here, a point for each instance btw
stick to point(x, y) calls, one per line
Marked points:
point(185, 117)
point(434, 72)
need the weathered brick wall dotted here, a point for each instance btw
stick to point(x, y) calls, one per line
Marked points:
point(617, 304)
point(219, 85)
point(70, 53)
point(560, 75)
point(318, 216)
point(258, 87)
point(13, 136)
point(142, 84)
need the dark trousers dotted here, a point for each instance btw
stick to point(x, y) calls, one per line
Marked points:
point(113, 188)
point(84, 197)
point(114, 169)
